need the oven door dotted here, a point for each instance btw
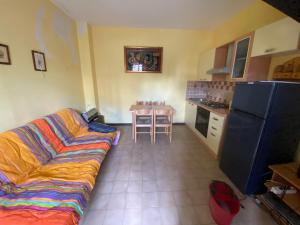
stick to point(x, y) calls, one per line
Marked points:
point(202, 120)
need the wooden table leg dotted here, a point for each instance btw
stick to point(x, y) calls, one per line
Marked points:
point(132, 125)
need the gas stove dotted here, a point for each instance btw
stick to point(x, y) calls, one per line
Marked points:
point(210, 103)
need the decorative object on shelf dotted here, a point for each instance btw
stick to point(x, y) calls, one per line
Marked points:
point(4, 54)
point(143, 59)
point(290, 70)
point(39, 61)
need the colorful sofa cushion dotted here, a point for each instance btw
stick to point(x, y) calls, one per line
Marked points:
point(16, 158)
point(48, 169)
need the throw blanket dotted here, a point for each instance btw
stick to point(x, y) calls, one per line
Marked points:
point(48, 169)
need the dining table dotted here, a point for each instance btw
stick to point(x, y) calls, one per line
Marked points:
point(136, 107)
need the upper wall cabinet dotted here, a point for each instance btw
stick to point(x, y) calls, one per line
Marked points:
point(241, 57)
point(280, 36)
point(244, 67)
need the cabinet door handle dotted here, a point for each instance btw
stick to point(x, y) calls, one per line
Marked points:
point(270, 50)
point(212, 127)
point(212, 134)
point(216, 119)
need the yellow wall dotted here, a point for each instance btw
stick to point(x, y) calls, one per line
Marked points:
point(182, 50)
point(24, 93)
point(86, 62)
point(118, 90)
point(255, 16)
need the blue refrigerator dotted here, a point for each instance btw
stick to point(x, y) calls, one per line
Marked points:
point(263, 128)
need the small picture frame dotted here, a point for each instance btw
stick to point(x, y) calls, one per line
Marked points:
point(143, 59)
point(4, 55)
point(39, 61)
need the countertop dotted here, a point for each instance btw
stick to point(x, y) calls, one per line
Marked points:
point(220, 112)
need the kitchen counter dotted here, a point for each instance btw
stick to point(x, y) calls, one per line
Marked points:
point(220, 112)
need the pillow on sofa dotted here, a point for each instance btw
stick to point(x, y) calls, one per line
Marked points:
point(48, 136)
point(16, 158)
point(32, 138)
point(68, 125)
point(71, 120)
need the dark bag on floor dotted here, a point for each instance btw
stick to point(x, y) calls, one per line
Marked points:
point(96, 122)
point(100, 127)
point(92, 116)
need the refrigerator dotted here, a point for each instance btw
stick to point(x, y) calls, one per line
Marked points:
point(263, 128)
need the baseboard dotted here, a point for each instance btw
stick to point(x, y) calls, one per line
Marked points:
point(119, 124)
point(129, 124)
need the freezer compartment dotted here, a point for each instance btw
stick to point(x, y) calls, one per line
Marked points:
point(253, 98)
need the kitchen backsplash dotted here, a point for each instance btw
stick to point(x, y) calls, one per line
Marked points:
point(219, 91)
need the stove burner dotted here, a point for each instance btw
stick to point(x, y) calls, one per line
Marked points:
point(210, 103)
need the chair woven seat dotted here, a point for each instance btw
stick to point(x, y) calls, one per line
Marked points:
point(163, 118)
point(162, 121)
point(151, 115)
point(143, 119)
point(140, 121)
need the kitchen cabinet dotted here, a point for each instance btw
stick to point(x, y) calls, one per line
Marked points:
point(244, 67)
point(206, 62)
point(242, 48)
point(215, 127)
point(190, 115)
point(215, 131)
point(280, 36)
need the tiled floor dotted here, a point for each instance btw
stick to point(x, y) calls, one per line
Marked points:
point(160, 184)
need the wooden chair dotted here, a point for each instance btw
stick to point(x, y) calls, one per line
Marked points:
point(140, 102)
point(143, 119)
point(158, 103)
point(150, 102)
point(139, 117)
point(163, 118)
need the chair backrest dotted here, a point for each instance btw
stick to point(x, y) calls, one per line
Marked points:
point(140, 102)
point(163, 112)
point(150, 103)
point(144, 112)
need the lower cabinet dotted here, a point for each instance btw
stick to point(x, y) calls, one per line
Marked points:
point(190, 115)
point(215, 131)
point(215, 127)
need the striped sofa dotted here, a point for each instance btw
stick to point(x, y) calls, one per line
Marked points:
point(48, 169)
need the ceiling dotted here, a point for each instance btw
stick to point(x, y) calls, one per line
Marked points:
point(187, 14)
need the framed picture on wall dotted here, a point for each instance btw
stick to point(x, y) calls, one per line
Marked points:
point(39, 61)
point(4, 54)
point(143, 59)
